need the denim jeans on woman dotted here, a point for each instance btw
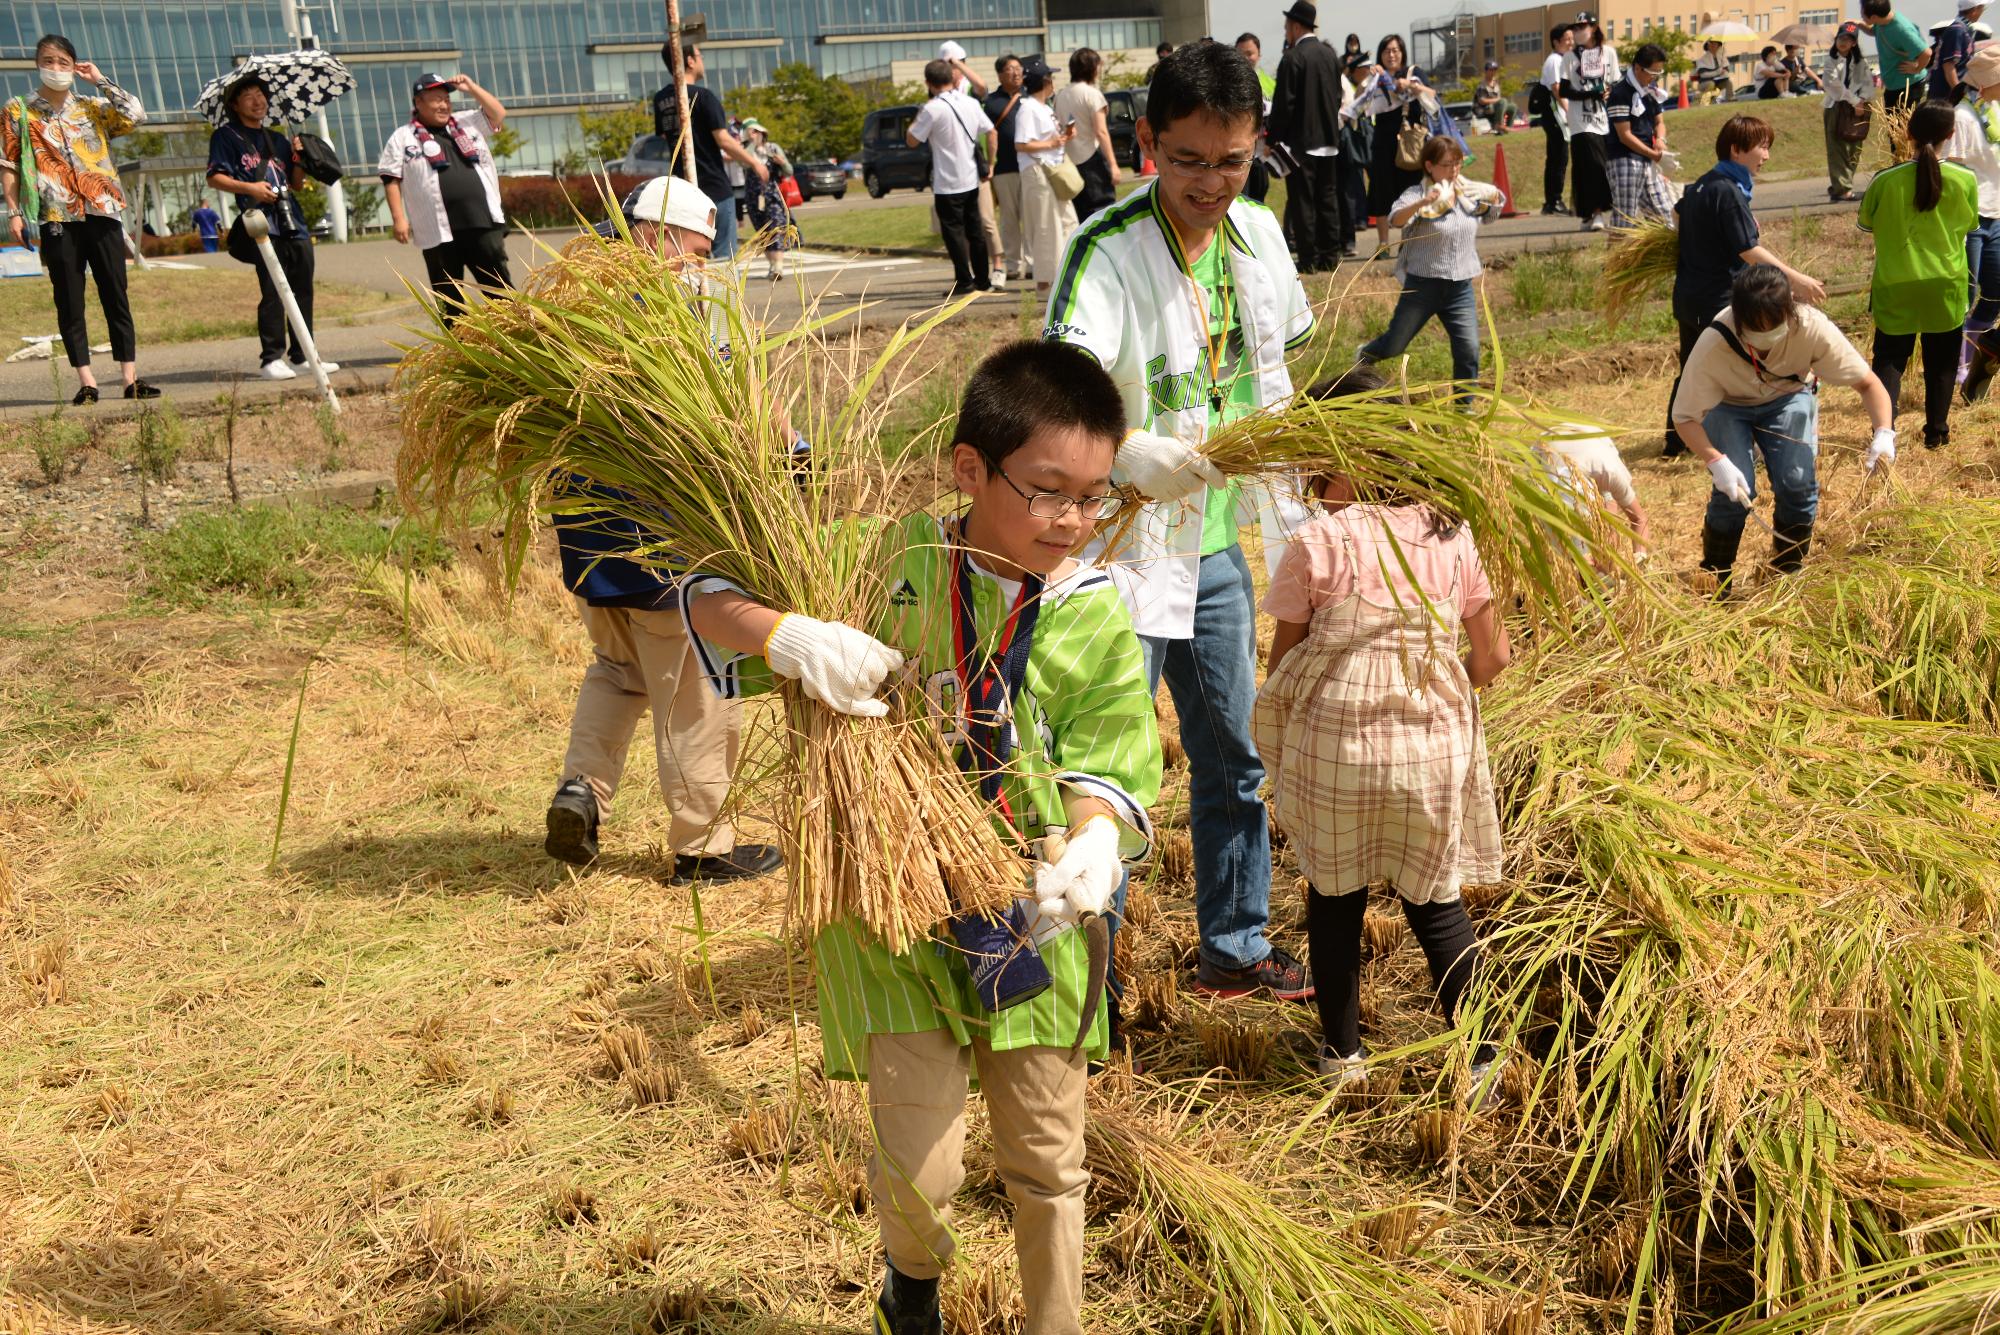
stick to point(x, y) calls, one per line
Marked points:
point(1213, 680)
point(1452, 302)
point(1982, 261)
point(1786, 432)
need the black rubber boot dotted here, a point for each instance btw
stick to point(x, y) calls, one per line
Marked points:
point(572, 824)
point(1718, 555)
point(908, 1306)
point(1789, 547)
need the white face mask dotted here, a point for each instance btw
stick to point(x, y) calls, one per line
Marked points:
point(1768, 339)
point(58, 81)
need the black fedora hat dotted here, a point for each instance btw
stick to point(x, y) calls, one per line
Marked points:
point(1304, 13)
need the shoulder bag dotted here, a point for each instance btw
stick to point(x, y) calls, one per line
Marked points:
point(318, 160)
point(1064, 179)
point(1410, 142)
point(1851, 121)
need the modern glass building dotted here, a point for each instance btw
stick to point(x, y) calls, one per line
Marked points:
point(546, 59)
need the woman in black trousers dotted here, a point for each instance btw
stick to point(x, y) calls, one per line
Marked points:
point(1390, 99)
point(75, 201)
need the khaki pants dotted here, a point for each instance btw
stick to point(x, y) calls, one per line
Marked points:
point(916, 1094)
point(1007, 208)
point(644, 660)
point(1049, 222)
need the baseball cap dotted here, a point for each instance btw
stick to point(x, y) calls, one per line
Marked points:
point(677, 202)
point(1964, 5)
point(426, 82)
point(950, 51)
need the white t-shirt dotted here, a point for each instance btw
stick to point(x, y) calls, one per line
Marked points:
point(1034, 120)
point(1971, 145)
point(1590, 117)
point(953, 125)
point(1596, 459)
point(1083, 101)
point(1552, 74)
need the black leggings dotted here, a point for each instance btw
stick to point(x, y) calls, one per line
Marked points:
point(1940, 351)
point(275, 334)
point(98, 246)
point(1590, 155)
point(1333, 936)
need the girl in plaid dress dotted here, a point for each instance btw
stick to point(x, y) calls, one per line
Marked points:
point(1370, 731)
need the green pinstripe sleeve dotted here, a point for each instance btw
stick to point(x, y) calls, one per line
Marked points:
point(1105, 737)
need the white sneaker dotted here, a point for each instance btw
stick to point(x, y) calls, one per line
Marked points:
point(277, 370)
point(999, 280)
point(1343, 1073)
point(324, 365)
point(1600, 221)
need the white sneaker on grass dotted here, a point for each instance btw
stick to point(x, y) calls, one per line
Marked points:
point(1343, 1073)
point(277, 370)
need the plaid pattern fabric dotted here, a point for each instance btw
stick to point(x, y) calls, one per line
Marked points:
point(1371, 735)
point(1638, 190)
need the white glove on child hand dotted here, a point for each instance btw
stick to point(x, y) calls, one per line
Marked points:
point(839, 666)
point(1163, 468)
point(1085, 877)
point(1882, 449)
point(1729, 479)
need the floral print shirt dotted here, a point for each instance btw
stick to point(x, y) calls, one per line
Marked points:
point(72, 150)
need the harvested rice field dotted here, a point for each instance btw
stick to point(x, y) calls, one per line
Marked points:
point(301, 1032)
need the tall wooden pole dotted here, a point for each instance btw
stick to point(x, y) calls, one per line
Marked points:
point(684, 149)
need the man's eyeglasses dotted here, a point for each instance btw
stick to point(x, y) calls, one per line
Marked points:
point(1230, 168)
point(1054, 504)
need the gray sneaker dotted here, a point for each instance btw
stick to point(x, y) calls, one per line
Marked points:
point(1488, 1066)
point(1343, 1073)
point(572, 824)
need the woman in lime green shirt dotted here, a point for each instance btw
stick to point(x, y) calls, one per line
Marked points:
point(1920, 212)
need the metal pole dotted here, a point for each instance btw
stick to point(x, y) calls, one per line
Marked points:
point(685, 148)
point(299, 26)
point(259, 229)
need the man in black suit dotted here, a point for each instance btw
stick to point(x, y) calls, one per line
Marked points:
point(1305, 117)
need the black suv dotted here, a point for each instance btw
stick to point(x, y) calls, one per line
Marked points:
point(1124, 108)
point(887, 160)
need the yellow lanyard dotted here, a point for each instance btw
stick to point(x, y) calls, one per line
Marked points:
point(1217, 343)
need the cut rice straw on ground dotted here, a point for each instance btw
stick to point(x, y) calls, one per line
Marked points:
point(606, 366)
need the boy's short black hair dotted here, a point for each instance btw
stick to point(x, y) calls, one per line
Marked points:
point(1032, 384)
point(1649, 55)
point(688, 51)
point(937, 74)
point(1761, 298)
point(1876, 9)
point(1556, 33)
point(1204, 76)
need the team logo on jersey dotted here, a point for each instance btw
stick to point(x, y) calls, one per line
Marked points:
point(904, 596)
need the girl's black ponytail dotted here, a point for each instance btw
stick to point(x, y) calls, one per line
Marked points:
point(1930, 126)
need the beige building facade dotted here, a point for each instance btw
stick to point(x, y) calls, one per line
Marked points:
point(1519, 38)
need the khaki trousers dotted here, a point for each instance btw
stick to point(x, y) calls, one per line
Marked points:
point(1049, 222)
point(645, 660)
point(916, 1094)
point(1007, 208)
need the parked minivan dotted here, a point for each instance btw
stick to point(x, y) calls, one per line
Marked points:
point(887, 160)
point(1123, 110)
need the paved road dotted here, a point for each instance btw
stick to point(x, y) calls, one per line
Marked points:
point(895, 287)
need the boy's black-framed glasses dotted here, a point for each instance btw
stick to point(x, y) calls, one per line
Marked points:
point(1056, 504)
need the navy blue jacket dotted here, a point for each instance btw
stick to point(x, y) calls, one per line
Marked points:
point(588, 541)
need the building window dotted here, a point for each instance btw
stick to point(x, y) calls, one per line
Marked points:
point(1489, 48)
point(1677, 23)
point(1519, 43)
point(1819, 16)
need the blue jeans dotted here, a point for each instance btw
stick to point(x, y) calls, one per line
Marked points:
point(1452, 302)
point(1213, 680)
point(1982, 260)
point(1786, 432)
point(725, 230)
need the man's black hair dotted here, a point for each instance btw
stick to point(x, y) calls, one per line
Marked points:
point(1556, 33)
point(937, 74)
point(667, 52)
point(1000, 65)
point(1652, 53)
point(1204, 76)
point(1876, 9)
point(1761, 298)
point(1250, 37)
point(1031, 385)
point(59, 42)
point(1163, 50)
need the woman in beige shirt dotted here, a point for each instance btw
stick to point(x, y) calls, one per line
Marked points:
point(1091, 150)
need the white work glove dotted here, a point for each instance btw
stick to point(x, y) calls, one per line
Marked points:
point(1670, 163)
point(1163, 468)
point(1729, 479)
point(1882, 449)
point(1085, 877)
point(839, 666)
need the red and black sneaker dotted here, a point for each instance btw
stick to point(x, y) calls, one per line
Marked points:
point(1277, 973)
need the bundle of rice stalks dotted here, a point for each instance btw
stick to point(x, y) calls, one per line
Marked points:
point(1263, 1270)
point(981, 1300)
point(605, 366)
point(1751, 946)
point(573, 1205)
point(1639, 266)
point(1239, 1047)
point(1177, 857)
point(1468, 453)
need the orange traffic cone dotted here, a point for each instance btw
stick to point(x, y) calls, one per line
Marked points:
point(1146, 167)
point(1684, 95)
point(1501, 183)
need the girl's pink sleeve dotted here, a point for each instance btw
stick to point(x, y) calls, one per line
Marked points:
point(1303, 578)
point(1476, 591)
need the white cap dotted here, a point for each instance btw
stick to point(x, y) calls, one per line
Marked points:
point(678, 202)
point(953, 51)
point(1964, 5)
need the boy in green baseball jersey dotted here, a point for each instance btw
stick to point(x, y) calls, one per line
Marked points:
point(1033, 655)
